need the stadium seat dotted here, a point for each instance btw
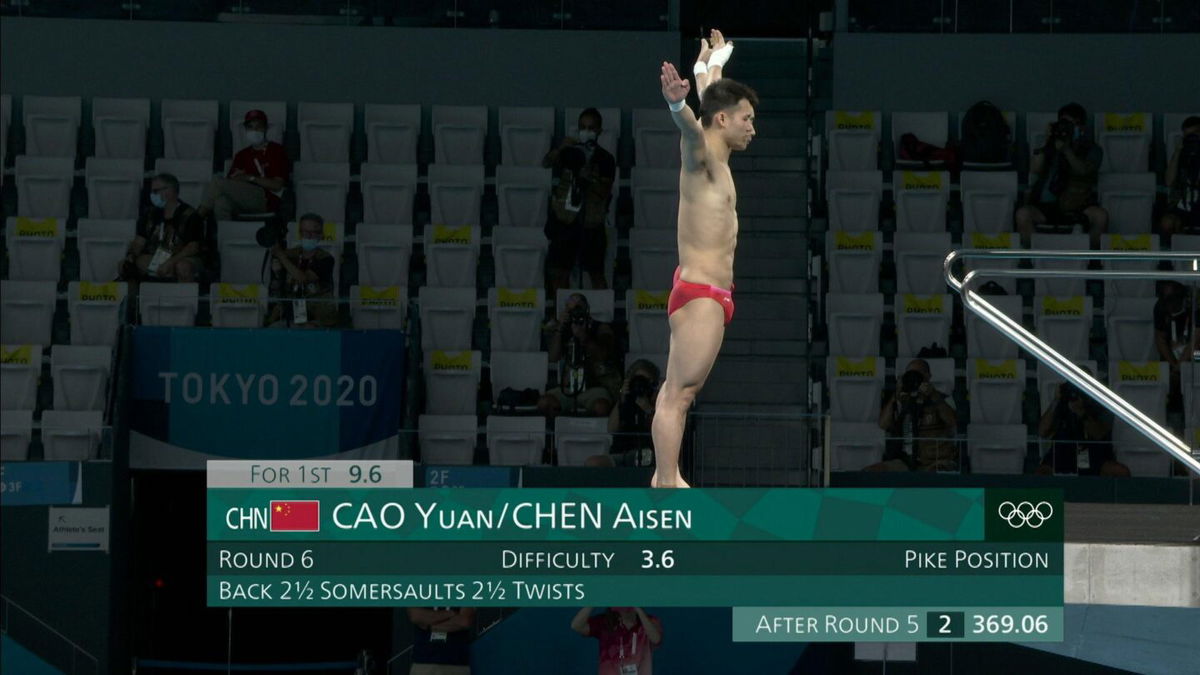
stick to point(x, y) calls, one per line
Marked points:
point(168, 304)
point(1144, 384)
point(458, 134)
point(5, 121)
point(1129, 200)
point(525, 135)
point(447, 439)
point(853, 138)
point(655, 198)
point(854, 199)
point(35, 248)
point(515, 316)
point(519, 254)
point(27, 312)
point(241, 256)
point(1011, 118)
point(189, 129)
point(237, 306)
point(322, 188)
point(383, 253)
point(194, 175)
point(1125, 139)
point(451, 255)
point(515, 441)
point(16, 429)
point(920, 262)
point(378, 308)
point(71, 435)
point(1064, 323)
point(95, 311)
point(997, 448)
point(518, 371)
point(80, 376)
point(1048, 381)
point(922, 321)
point(1060, 242)
point(855, 387)
point(388, 191)
point(920, 198)
point(1192, 437)
point(577, 438)
point(325, 131)
point(655, 139)
point(654, 255)
point(610, 136)
point(1129, 288)
point(855, 445)
point(102, 245)
point(114, 187)
point(1189, 382)
point(120, 126)
point(929, 127)
point(1172, 130)
point(1130, 324)
point(1139, 454)
point(995, 241)
point(51, 125)
point(276, 121)
point(646, 314)
point(995, 389)
point(854, 321)
point(21, 366)
point(451, 382)
point(523, 194)
point(601, 302)
point(454, 194)
point(988, 199)
point(447, 315)
point(393, 132)
point(984, 341)
point(854, 259)
point(1189, 243)
point(44, 186)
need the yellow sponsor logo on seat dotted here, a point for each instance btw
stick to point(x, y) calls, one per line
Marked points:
point(106, 292)
point(996, 370)
point(1137, 242)
point(850, 241)
point(1130, 371)
point(1127, 122)
point(921, 180)
point(924, 304)
point(997, 240)
point(849, 119)
point(847, 367)
point(649, 300)
point(451, 360)
point(516, 297)
point(1067, 306)
point(234, 294)
point(37, 227)
point(20, 354)
point(382, 296)
point(444, 234)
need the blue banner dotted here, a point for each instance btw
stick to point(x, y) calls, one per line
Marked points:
point(202, 394)
point(40, 483)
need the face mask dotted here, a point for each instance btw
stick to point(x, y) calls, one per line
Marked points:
point(587, 136)
point(309, 244)
point(158, 200)
point(255, 137)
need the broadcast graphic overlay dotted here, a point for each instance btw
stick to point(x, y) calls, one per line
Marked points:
point(806, 565)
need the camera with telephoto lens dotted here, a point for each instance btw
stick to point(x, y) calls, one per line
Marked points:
point(1189, 151)
point(1063, 129)
point(639, 386)
point(579, 315)
point(272, 232)
point(911, 381)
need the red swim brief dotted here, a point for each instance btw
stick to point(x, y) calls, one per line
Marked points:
point(683, 292)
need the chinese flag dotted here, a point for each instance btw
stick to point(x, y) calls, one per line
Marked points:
point(296, 516)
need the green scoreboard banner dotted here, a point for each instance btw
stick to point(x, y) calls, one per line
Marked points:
point(817, 565)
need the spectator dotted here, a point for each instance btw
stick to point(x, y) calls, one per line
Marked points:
point(586, 352)
point(1175, 321)
point(920, 425)
point(1080, 432)
point(302, 276)
point(257, 178)
point(1064, 190)
point(584, 175)
point(169, 238)
point(628, 637)
point(441, 640)
point(1183, 182)
point(630, 418)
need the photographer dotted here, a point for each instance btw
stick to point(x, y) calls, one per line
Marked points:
point(628, 637)
point(585, 350)
point(1175, 335)
point(303, 277)
point(583, 177)
point(1183, 183)
point(1064, 192)
point(169, 238)
point(1080, 431)
point(630, 418)
point(441, 640)
point(920, 425)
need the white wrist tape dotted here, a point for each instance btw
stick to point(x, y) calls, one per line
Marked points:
point(720, 57)
point(678, 105)
point(701, 68)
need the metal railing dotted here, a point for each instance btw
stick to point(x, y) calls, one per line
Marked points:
point(1073, 373)
point(48, 642)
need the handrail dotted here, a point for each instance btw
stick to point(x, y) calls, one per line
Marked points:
point(8, 602)
point(1056, 361)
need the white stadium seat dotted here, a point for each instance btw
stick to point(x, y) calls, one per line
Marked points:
point(984, 341)
point(988, 200)
point(451, 255)
point(378, 308)
point(654, 255)
point(168, 304)
point(388, 191)
point(451, 382)
point(44, 186)
point(1064, 323)
point(995, 389)
point(525, 135)
point(21, 367)
point(515, 441)
point(577, 438)
point(27, 312)
point(383, 253)
point(102, 246)
point(518, 371)
point(920, 262)
point(929, 127)
point(855, 387)
point(853, 138)
point(447, 439)
point(95, 311)
point(854, 321)
point(120, 126)
point(855, 445)
point(920, 198)
point(458, 133)
point(1125, 139)
point(51, 125)
point(35, 248)
point(655, 139)
point(854, 259)
point(237, 305)
point(454, 194)
point(72, 435)
point(189, 129)
point(854, 199)
point(80, 376)
point(997, 448)
point(646, 314)
point(325, 131)
point(321, 187)
point(922, 320)
point(1060, 242)
point(520, 256)
point(1130, 288)
point(114, 187)
point(1130, 324)
point(523, 194)
point(16, 430)
point(1129, 200)
point(393, 132)
point(447, 315)
point(515, 316)
point(655, 198)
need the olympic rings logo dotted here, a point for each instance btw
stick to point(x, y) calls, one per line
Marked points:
point(1025, 513)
